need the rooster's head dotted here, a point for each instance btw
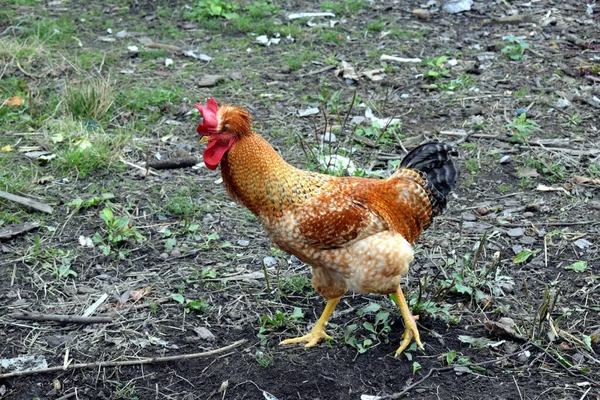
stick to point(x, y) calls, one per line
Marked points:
point(221, 128)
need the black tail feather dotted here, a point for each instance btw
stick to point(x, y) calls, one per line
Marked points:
point(433, 159)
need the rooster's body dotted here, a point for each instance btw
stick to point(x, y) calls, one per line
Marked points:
point(356, 233)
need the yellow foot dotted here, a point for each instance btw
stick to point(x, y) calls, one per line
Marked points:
point(410, 332)
point(311, 339)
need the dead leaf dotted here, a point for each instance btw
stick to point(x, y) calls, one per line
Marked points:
point(44, 179)
point(504, 327)
point(347, 71)
point(14, 101)
point(6, 148)
point(527, 172)
point(583, 179)
point(136, 295)
point(374, 74)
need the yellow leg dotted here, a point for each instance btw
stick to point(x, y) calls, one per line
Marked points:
point(318, 332)
point(410, 324)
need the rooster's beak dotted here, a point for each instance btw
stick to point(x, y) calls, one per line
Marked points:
point(204, 139)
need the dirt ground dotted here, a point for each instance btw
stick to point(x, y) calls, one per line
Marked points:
point(505, 282)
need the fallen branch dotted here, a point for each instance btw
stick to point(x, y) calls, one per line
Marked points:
point(69, 319)
point(141, 361)
point(17, 229)
point(27, 202)
point(174, 163)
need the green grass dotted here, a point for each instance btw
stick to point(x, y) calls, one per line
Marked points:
point(140, 97)
point(51, 31)
point(83, 149)
point(376, 25)
point(331, 36)
point(91, 99)
point(152, 54)
point(343, 7)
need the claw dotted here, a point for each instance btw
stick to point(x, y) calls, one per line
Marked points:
point(411, 332)
point(318, 332)
point(410, 324)
point(311, 339)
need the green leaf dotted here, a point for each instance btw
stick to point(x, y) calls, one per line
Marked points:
point(193, 228)
point(370, 308)
point(178, 297)
point(523, 256)
point(369, 326)
point(58, 138)
point(382, 317)
point(107, 215)
point(297, 315)
point(170, 244)
point(479, 343)
point(416, 367)
point(450, 357)
point(197, 305)
point(579, 266)
point(75, 203)
point(105, 249)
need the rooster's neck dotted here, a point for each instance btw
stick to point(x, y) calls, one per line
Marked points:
point(255, 175)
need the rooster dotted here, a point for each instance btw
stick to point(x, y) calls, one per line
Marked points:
point(355, 233)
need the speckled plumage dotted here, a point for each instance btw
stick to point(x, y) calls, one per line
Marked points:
point(356, 233)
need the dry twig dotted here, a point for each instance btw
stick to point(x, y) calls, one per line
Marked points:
point(141, 361)
point(69, 319)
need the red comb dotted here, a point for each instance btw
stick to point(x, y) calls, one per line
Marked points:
point(209, 117)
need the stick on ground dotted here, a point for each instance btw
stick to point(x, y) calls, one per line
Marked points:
point(17, 229)
point(174, 163)
point(27, 202)
point(141, 361)
point(70, 319)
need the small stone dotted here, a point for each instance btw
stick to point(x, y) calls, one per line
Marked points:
point(562, 103)
point(527, 240)
point(204, 334)
point(527, 214)
point(469, 217)
point(286, 69)
point(164, 256)
point(505, 160)
point(175, 253)
point(594, 205)
point(269, 261)
point(524, 356)
point(534, 207)
point(208, 219)
point(483, 210)
point(210, 80)
point(515, 232)
point(243, 243)
point(421, 14)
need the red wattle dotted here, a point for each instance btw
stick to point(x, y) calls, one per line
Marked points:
point(215, 151)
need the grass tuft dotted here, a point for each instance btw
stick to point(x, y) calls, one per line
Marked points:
point(91, 100)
